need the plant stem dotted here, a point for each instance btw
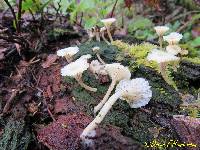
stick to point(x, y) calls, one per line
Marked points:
point(80, 81)
point(108, 105)
point(13, 13)
point(99, 58)
point(100, 105)
point(113, 9)
point(19, 15)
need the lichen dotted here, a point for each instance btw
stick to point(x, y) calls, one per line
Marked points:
point(195, 60)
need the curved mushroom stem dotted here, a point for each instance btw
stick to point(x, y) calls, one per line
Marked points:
point(163, 71)
point(160, 42)
point(100, 105)
point(80, 81)
point(99, 58)
point(109, 34)
point(101, 115)
point(105, 39)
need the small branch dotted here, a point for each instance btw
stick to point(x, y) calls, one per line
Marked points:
point(8, 103)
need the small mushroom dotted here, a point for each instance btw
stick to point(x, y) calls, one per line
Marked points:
point(161, 30)
point(117, 72)
point(97, 68)
point(68, 53)
point(136, 92)
point(108, 22)
point(173, 38)
point(102, 30)
point(173, 49)
point(75, 69)
point(162, 58)
point(96, 51)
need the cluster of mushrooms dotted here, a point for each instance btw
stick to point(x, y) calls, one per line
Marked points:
point(170, 54)
point(136, 92)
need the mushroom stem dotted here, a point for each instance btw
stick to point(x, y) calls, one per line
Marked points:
point(160, 42)
point(109, 34)
point(80, 81)
point(100, 105)
point(99, 58)
point(163, 71)
point(69, 59)
point(101, 115)
point(98, 37)
point(105, 39)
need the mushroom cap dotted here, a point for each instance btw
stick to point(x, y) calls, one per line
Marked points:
point(68, 51)
point(173, 38)
point(96, 67)
point(108, 21)
point(161, 56)
point(160, 30)
point(136, 92)
point(173, 49)
point(117, 71)
point(75, 68)
point(96, 49)
point(85, 57)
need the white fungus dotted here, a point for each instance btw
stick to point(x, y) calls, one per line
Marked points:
point(173, 38)
point(161, 30)
point(173, 49)
point(68, 52)
point(96, 51)
point(117, 72)
point(136, 92)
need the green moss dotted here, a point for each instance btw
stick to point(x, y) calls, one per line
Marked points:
point(15, 136)
point(195, 60)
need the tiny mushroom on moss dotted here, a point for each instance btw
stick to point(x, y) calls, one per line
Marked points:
point(97, 68)
point(161, 30)
point(108, 22)
point(117, 72)
point(96, 51)
point(173, 38)
point(68, 53)
point(75, 69)
point(163, 59)
point(136, 92)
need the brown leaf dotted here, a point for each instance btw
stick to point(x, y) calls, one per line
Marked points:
point(50, 60)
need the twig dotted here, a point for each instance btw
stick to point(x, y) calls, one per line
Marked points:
point(8, 103)
point(185, 25)
point(19, 16)
point(113, 9)
point(51, 115)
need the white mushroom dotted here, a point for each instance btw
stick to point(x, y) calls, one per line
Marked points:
point(161, 30)
point(96, 51)
point(173, 49)
point(117, 72)
point(108, 22)
point(163, 58)
point(75, 69)
point(97, 68)
point(136, 92)
point(68, 53)
point(173, 38)
point(102, 30)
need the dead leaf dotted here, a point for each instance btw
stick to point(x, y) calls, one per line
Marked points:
point(50, 60)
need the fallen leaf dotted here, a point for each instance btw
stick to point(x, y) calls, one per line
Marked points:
point(50, 60)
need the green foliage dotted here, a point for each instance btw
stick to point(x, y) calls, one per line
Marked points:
point(195, 42)
point(15, 136)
